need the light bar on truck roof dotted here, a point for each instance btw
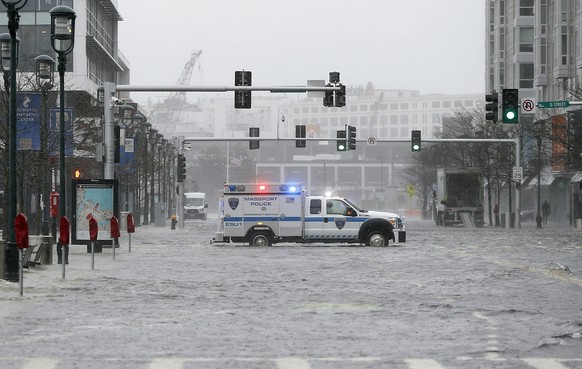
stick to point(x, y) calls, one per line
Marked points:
point(270, 188)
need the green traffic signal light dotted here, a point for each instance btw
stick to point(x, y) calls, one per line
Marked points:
point(341, 140)
point(415, 141)
point(510, 105)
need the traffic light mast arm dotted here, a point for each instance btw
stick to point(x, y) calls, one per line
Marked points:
point(180, 88)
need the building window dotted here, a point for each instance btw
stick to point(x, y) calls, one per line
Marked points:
point(436, 104)
point(526, 75)
point(526, 39)
point(526, 7)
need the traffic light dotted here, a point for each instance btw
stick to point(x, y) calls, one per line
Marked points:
point(300, 133)
point(78, 173)
point(351, 136)
point(253, 132)
point(510, 105)
point(492, 106)
point(415, 140)
point(341, 140)
point(181, 168)
point(340, 96)
point(328, 97)
point(242, 99)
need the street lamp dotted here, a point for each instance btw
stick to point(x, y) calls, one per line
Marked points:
point(45, 80)
point(146, 134)
point(11, 272)
point(153, 140)
point(62, 42)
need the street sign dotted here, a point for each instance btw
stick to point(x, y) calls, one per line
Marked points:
point(528, 106)
point(517, 173)
point(553, 104)
point(372, 140)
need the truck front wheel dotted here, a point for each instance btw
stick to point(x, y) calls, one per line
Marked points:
point(377, 239)
point(260, 239)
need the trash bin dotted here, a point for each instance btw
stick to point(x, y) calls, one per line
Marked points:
point(509, 219)
point(47, 258)
point(578, 223)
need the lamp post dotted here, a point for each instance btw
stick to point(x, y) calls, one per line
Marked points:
point(125, 117)
point(11, 259)
point(62, 42)
point(146, 209)
point(153, 139)
point(45, 80)
point(539, 127)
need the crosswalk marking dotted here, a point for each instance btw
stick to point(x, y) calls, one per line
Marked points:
point(292, 363)
point(40, 363)
point(423, 364)
point(295, 362)
point(545, 363)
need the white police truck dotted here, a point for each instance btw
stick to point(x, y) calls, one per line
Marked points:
point(265, 214)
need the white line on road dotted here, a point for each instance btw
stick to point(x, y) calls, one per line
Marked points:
point(292, 363)
point(40, 363)
point(423, 364)
point(161, 363)
point(545, 363)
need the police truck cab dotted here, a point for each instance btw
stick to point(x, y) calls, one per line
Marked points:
point(265, 214)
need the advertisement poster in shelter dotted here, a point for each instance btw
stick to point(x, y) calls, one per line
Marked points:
point(93, 198)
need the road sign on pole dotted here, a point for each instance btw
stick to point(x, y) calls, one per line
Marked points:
point(517, 173)
point(553, 104)
point(528, 106)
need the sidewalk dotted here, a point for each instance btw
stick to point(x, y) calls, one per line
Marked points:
point(48, 279)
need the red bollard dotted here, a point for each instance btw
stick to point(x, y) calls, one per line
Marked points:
point(130, 228)
point(93, 232)
point(63, 245)
point(114, 227)
point(21, 233)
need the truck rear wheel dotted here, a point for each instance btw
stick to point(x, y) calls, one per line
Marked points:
point(260, 239)
point(377, 239)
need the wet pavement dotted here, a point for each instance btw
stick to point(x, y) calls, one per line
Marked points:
point(447, 298)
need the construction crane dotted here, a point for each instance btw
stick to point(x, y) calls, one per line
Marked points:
point(169, 111)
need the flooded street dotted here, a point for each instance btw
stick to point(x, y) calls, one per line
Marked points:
point(447, 298)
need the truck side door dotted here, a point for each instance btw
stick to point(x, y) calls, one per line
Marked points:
point(340, 220)
point(313, 218)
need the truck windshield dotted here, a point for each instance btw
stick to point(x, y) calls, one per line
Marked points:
point(193, 202)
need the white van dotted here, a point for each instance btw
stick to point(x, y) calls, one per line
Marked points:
point(195, 206)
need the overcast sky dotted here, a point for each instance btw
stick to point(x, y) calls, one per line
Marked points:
point(434, 46)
